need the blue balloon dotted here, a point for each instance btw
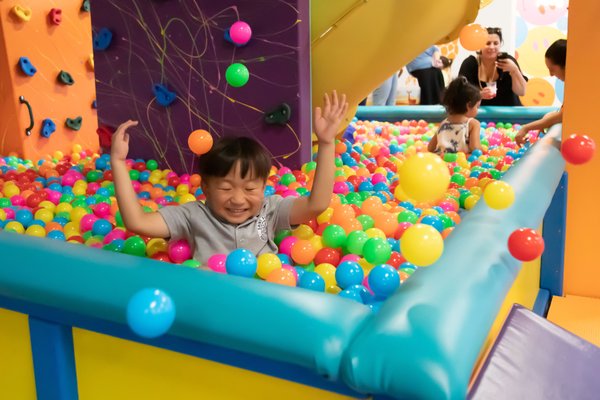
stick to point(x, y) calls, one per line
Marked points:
point(150, 313)
point(348, 273)
point(384, 280)
point(312, 281)
point(241, 262)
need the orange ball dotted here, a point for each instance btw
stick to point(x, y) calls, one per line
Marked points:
point(303, 252)
point(473, 37)
point(200, 141)
point(282, 276)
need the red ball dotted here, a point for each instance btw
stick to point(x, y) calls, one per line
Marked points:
point(396, 260)
point(525, 244)
point(327, 255)
point(578, 149)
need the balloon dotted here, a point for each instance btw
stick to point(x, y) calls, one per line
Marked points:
point(525, 244)
point(150, 312)
point(578, 149)
point(240, 32)
point(237, 75)
point(241, 262)
point(200, 141)
point(499, 195)
point(473, 37)
point(424, 177)
point(421, 245)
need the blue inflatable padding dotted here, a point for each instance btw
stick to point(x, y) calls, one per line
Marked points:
point(425, 339)
point(437, 113)
point(286, 324)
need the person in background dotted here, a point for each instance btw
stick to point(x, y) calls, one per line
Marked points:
point(234, 175)
point(459, 132)
point(556, 59)
point(385, 94)
point(426, 67)
point(496, 74)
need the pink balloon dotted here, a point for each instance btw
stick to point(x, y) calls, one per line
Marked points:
point(216, 263)
point(240, 32)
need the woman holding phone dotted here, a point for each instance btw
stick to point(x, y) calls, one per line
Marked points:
point(496, 73)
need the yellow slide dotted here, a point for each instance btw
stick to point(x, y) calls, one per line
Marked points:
point(358, 44)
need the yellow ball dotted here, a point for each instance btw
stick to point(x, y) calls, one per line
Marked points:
point(36, 230)
point(2, 215)
point(471, 201)
point(156, 245)
point(15, 226)
point(327, 272)
point(303, 231)
point(186, 198)
point(64, 207)
point(429, 211)
point(267, 263)
point(333, 289)
point(10, 190)
point(476, 190)
point(71, 229)
point(375, 233)
point(317, 242)
point(48, 205)
point(424, 177)
point(325, 216)
point(77, 213)
point(421, 245)
point(44, 215)
point(76, 148)
point(182, 189)
point(401, 196)
point(499, 195)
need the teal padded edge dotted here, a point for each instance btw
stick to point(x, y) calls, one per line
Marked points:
point(437, 113)
point(542, 303)
point(426, 338)
point(286, 324)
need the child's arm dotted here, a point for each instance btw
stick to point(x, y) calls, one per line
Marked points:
point(554, 117)
point(474, 132)
point(134, 218)
point(432, 143)
point(326, 125)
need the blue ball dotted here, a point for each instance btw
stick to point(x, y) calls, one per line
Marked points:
point(150, 313)
point(241, 262)
point(351, 294)
point(349, 273)
point(56, 235)
point(434, 221)
point(285, 259)
point(24, 216)
point(269, 190)
point(312, 281)
point(101, 227)
point(384, 280)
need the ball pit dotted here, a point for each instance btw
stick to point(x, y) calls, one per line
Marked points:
point(387, 211)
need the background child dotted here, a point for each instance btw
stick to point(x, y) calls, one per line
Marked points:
point(234, 174)
point(460, 130)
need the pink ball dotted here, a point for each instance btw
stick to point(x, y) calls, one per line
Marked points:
point(286, 244)
point(136, 186)
point(447, 205)
point(114, 234)
point(102, 210)
point(291, 269)
point(350, 257)
point(53, 196)
point(171, 175)
point(179, 251)
point(161, 201)
point(240, 32)
point(284, 170)
point(377, 178)
point(93, 187)
point(68, 179)
point(216, 263)
point(185, 178)
point(87, 222)
point(289, 193)
point(10, 213)
point(17, 200)
point(340, 188)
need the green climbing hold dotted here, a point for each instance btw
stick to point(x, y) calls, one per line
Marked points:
point(74, 123)
point(65, 78)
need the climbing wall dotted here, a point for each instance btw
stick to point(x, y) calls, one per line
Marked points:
point(165, 63)
point(47, 88)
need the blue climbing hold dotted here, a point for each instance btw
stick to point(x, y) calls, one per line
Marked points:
point(228, 38)
point(26, 66)
point(102, 39)
point(48, 127)
point(164, 97)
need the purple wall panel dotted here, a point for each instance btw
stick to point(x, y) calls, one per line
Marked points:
point(180, 44)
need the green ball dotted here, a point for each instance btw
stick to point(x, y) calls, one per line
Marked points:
point(458, 179)
point(119, 219)
point(354, 198)
point(366, 221)
point(282, 234)
point(338, 162)
point(446, 221)
point(134, 174)
point(495, 174)
point(286, 179)
point(65, 198)
point(334, 236)
point(450, 157)
point(377, 251)
point(302, 191)
point(309, 267)
point(310, 166)
point(4, 202)
point(356, 241)
point(135, 246)
point(237, 75)
point(93, 176)
point(191, 263)
point(151, 165)
point(408, 216)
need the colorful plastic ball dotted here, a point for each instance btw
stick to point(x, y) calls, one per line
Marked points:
point(150, 313)
point(191, 263)
point(499, 195)
point(578, 149)
point(200, 141)
point(303, 252)
point(179, 251)
point(267, 263)
point(348, 273)
point(351, 294)
point(135, 246)
point(377, 250)
point(56, 235)
point(327, 255)
point(241, 262)
point(334, 236)
point(240, 32)
point(525, 244)
point(424, 177)
point(216, 262)
point(285, 246)
point(383, 280)
point(282, 276)
point(356, 241)
point(237, 75)
point(312, 281)
point(101, 227)
point(421, 245)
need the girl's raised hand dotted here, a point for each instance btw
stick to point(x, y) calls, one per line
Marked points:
point(327, 120)
point(120, 141)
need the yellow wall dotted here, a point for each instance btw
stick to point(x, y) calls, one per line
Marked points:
point(16, 363)
point(582, 101)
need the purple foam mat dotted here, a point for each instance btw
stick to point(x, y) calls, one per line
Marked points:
point(533, 358)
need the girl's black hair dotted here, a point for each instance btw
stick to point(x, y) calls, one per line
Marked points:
point(459, 94)
point(253, 158)
point(557, 53)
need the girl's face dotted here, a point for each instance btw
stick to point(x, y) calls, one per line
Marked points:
point(233, 198)
point(555, 70)
point(492, 47)
point(472, 111)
